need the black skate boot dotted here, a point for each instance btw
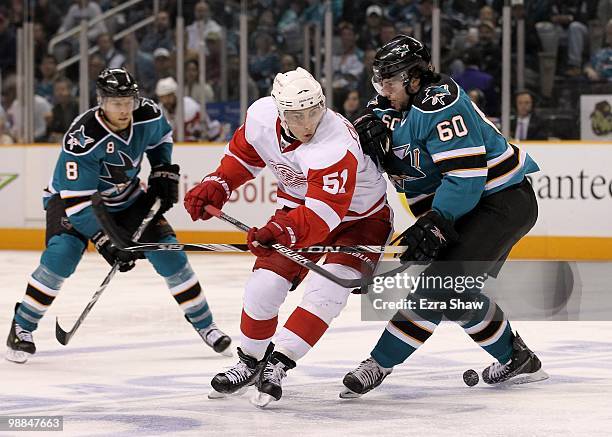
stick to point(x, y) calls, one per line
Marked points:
point(524, 366)
point(269, 386)
point(367, 376)
point(237, 379)
point(216, 339)
point(20, 343)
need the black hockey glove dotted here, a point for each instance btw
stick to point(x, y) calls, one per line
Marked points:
point(375, 138)
point(164, 183)
point(427, 238)
point(112, 254)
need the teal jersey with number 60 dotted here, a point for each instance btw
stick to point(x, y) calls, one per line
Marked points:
point(93, 158)
point(449, 154)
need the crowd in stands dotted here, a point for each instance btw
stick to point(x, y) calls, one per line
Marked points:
point(568, 52)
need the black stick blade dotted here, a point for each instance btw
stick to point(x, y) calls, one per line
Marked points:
point(62, 336)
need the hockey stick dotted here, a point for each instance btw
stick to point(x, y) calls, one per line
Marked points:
point(208, 247)
point(118, 238)
point(64, 337)
point(305, 262)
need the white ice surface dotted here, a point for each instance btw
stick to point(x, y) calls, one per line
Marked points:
point(136, 368)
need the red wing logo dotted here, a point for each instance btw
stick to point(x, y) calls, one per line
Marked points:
point(287, 175)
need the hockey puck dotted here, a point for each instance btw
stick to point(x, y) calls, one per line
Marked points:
point(470, 377)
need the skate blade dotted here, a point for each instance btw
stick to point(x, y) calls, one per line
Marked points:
point(19, 357)
point(261, 400)
point(349, 394)
point(540, 375)
point(226, 352)
point(214, 394)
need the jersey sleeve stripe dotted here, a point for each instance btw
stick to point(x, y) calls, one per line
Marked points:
point(462, 163)
point(77, 208)
point(505, 166)
point(166, 139)
point(502, 179)
point(288, 200)
point(507, 153)
point(324, 211)
point(468, 173)
point(66, 194)
point(466, 151)
point(421, 204)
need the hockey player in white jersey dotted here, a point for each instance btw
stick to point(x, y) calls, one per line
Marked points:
point(329, 193)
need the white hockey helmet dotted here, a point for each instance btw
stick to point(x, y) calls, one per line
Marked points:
point(296, 90)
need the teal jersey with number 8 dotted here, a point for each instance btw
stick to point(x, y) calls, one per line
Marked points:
point(93, 158)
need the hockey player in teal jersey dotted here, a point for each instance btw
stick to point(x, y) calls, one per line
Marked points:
point(466, 185)
point(103, 152)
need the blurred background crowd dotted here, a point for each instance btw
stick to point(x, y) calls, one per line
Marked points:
point(568, 53)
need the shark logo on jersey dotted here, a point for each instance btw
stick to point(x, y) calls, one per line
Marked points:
point(116, 174)
point(78, 138)
point(436, 94)
point(409, 168)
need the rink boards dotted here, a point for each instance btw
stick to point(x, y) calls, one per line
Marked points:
point(574, 189)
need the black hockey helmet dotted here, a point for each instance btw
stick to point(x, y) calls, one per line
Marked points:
point(116, 82)
point(404, 56)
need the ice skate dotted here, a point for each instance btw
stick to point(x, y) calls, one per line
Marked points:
point(367, 376)
point(216, 339)
point(269, 387)
point(240, 376)
point(20, 343)
point(523, 367)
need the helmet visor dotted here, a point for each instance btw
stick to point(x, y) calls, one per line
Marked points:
point(305, 117)
point(389, 84)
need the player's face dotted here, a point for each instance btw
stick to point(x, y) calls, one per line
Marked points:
point(118, 111)
point(395, 91)
point(303, 123)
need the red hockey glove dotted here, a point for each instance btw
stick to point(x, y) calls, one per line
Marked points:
point(278, 230)
point(213, 190)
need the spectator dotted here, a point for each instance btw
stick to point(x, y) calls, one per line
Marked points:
point(404, 11)
point(266, 23)
point(288, 63)
point(264, 63)
point(473, 78)
point(163, 63)
point(41, 111)
point(599, 67)
point(213, 62)
point(352, 108)
point(233, 70)
point(567, 26)
point(202, 25)
point(194, 131)
point(193, 88)
point(347, 65)
point(365, 88)
point(48, 74)
point(141, 63)
point(526, 125)
point(8, 45)
point(64, 111)
point(479, 99)
point(96, 65)
point(112, 57)
point(387, 33)
point(490, 50)
point(5, 138)
point(368, 38)
point(160, 35)
point(49, 14)
point(84, 9)
point(40, 42)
